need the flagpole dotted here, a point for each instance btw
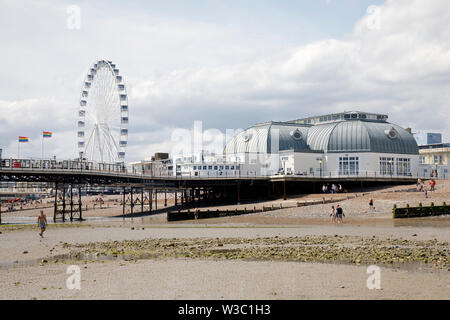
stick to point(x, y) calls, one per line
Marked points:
point(42, 158)
point(18, 149)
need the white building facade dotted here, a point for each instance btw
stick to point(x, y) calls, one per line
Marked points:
point(335, 145)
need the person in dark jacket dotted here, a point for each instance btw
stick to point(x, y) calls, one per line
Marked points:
point(339, 214)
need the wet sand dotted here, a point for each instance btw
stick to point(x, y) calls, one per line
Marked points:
point(193, 279)
point(22, 250)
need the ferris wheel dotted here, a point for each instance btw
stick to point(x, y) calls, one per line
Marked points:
point(103, 115)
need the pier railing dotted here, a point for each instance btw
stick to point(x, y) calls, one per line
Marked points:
point(119, 169)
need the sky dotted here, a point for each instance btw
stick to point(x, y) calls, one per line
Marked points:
point(229, 64)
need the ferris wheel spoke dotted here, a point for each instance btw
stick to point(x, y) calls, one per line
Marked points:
point(110, 139)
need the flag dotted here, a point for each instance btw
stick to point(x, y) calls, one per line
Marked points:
point(47, 134)
point(23, 139)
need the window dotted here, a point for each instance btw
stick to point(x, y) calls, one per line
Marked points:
point(436, 159)
point(403, 166)
point(349, 165)
point(204, 167)
point(386, 165)
point(238, 167)
point(227, 167)
point(232, 167)
point(215, 167)
point(195, 168)
point(209, 167)
point(422, 160)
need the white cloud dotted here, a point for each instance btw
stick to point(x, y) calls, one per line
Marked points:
point(396, 61)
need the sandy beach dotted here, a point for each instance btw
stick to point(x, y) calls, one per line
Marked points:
point(290, 253)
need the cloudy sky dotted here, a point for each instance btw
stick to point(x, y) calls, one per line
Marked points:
point(228, 63)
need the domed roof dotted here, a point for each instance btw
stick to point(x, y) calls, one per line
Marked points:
point(341, 136)
point(262, 138)
point(362, 136)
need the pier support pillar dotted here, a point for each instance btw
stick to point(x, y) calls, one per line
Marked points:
point(55, 208)
point(71, 202)
point(132, 203)
point(238, 192)
point(165, 198)
point(64, 203)
point(79, 203)
point(123, 201)
point(142, 200)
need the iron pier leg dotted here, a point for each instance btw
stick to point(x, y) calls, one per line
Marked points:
point(79, 203)
point(71, 202)
point(239, 192)
point(182, 199)
point(142, 200)
point(284, 190)
point(150, 199)
point(55, 209)
point(176, 200)
point(156, 199)
point(123, 202)
point(132, 204)
point(64, 204)
point(165, 198)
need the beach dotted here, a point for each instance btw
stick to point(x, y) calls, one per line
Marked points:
point(289, 253)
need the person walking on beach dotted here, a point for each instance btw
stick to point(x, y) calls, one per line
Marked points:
point(432, 184)
point(339, 214)
point(333, 215)
point(42, 222)
point(372, 208)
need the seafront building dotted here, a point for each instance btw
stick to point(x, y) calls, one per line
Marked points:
point(350, 143)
